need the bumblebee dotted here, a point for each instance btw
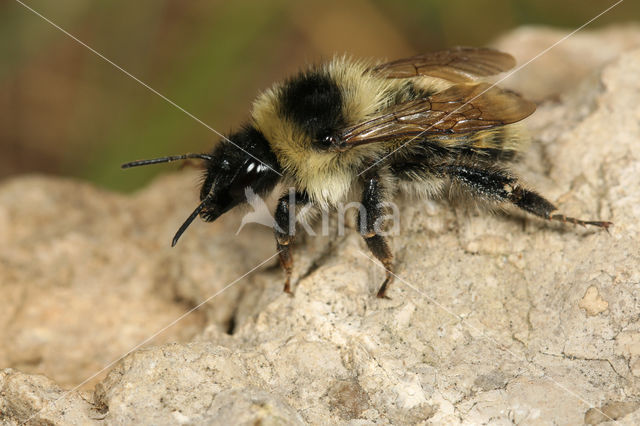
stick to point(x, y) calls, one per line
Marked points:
point(411, 125)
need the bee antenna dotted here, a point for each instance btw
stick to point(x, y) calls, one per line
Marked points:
point(165, 160)
point(187, 222)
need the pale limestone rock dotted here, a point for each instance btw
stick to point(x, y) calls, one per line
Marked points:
point(570, 61)
point(25, 397)
point(592, 302)
point(609, 411)
point(484, 325)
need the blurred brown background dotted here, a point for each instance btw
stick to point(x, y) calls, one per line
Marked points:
point(65, 111)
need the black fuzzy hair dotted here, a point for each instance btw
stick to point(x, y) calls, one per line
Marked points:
point(313, 100)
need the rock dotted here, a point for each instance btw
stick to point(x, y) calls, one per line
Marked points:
point(189, 384)
point(592, 302)
point(26, 397)
point(494, 318)
point(569, 62)
point(83, 279)
point(612, 410)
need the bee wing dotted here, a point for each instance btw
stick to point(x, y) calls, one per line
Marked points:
point(460, 64)
point(461, 108)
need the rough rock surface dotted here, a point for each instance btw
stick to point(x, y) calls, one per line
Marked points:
point(495, 318)
point(570, 60)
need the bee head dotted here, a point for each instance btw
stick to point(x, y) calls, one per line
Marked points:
point(233, 169)
point(243, 161)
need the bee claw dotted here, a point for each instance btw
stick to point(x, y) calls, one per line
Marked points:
point(383, 290)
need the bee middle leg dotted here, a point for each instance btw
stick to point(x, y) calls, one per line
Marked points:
point(499, 186)
point(369, 222)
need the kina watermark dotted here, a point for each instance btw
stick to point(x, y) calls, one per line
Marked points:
point(305, 214)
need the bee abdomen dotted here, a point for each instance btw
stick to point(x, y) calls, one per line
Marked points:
point(497, 144)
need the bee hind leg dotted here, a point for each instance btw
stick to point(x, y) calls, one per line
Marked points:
point(499, 186)
point(369, 221)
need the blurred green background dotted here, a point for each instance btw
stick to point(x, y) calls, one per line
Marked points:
point(65, 111)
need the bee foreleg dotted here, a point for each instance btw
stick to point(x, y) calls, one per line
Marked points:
point(370, 218)
point(500, 186)
point(285, 229)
